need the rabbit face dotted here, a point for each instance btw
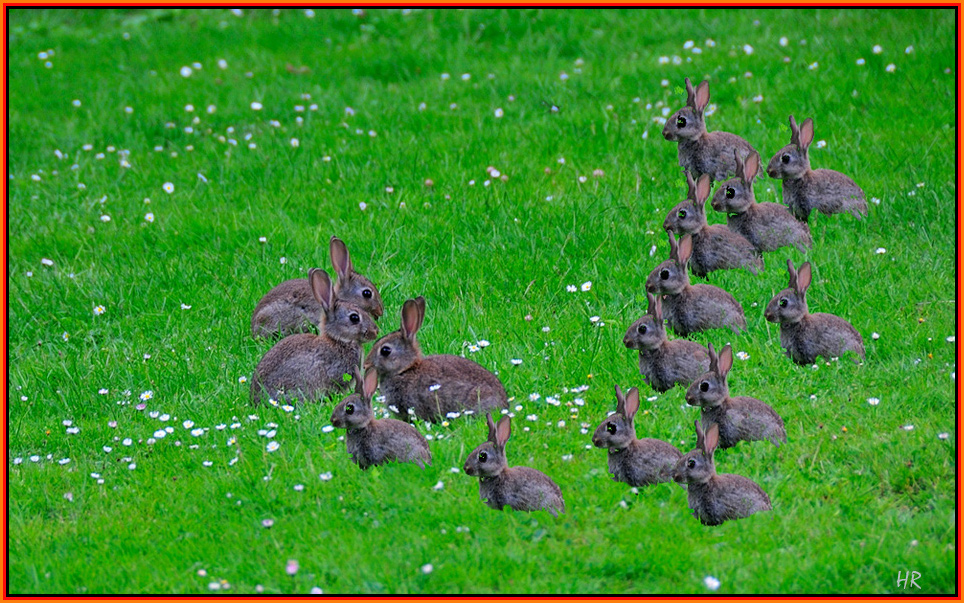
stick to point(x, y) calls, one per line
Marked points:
point(708, 391)
point(615, 433)
point(685, 218)
point(352, 413)
point(488, 460)
point(790, 163)
point(360, 291)
point(685, 124)
point(788, 306)
point(733, 197)
point(645, 334)
point(348, 322)
point(695, 467)
point(668, 278)
point(393, 353)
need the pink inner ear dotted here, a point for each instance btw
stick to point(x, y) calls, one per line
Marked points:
point(751, 166)
point(702, 96)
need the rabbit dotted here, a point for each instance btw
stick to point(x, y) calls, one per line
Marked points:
point(702, 152)
point(664, 363)
point(804, 189)
point(521, 488)
point(430, 387)
point(740, 418)
point(307, 366)
point(291, 307)
point(372, 441)
point(715, 498)
point(633, 461)
point(768, 226)
point(805, 336)
point(715, 247)
point(691, 308)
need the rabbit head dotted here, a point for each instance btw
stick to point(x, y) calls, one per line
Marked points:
point(790, 305)
point(687, 123)
point(696, 466)
point(690, 215)
point(343, 320)
point(670, 277)
point(617, 431)
point(735, 196)
point(355, 411)
point(792, 161)
point(711, 389)
point(647, 333)
point(488, 460)
point(352, 286)
point(399, 349)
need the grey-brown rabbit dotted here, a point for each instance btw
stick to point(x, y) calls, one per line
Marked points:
point(691, 308)
point(768, 226)
point(631, 460)
point(292, 308)
point(372, 441)
point(431, 386)
point(804, 189)
point(664, 363)
point(309, 367)
point(806, 336)
point(715, 498)
point(520, 488)
point(715, 246)
point(739, 418)
point(702, 152)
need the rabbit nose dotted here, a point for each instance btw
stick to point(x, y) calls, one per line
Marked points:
point(771, 172)
point(627, 341)
point(651, 287)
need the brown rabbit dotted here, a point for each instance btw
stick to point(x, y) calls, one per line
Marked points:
point(691, 308)
point(664, 363)
point(631, 460)
point(740, 418)
point(702, 152)
point(768, 226)
point(715, 247)
point(521, 488)
point(309, 367)
point(804, 189)
point(372, 441)
point(292, 308)
point(430, 387)
point(806, 336)
point(715, 498)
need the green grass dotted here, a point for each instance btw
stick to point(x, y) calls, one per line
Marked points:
point(856, 497)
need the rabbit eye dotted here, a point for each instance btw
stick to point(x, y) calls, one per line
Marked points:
point(483, 456)
point(680, 122)
point(367, 293)
point(611, 427)
point(691, 463)
point(664, 274)
point(385, 351)
point(704, 387)
point(730, 192)
point(354, 318)
point(783, 303)
point(681, 214)
point(349, 409)
point(641, 329)
point(785, 158)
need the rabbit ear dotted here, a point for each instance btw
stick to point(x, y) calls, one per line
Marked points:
point(659, 310)
point(793, 274)
point(491, 424)
point(714, 359)
point(339, 258)
point(412, 315)
point(803, 278)
point(710, 439)
point(806, 134)
point(702, 96)
point(690, 93)
point(740, 170)
point(685, 249)
point(321, 288)
point(370, 383)
point(699, 435)
point(702, 191)
point(632, 404)
point(690, 186)
point(620, 400)
point(794, 132)
point(751, 167)
point(673, 246)
point(725, 362)
point(655, 307)
point(502, 432)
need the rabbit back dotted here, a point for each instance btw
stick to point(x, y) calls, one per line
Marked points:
point(522, 489)
point(820, 334)
point(440, 384)
point(288, 308)
point(712, 154)
point(305, 367)
point(717, 247)
point(826, 191)
point(675, 362)
point(645, 462)
point(387, 440)
point(702, 307)
point(726, 496)
point(770, 226)
point(745, 419)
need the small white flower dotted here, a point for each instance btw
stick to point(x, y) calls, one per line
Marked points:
point(880, 251)
point(362, 205)
point(861, 61)
point(272, 446)
point(484, 343)
point(438, 486)
point(516, 361)
point(98, 310)
point(747, 49)
point(890, 68)
point(875, 335)
point(327, 429)
point(185, 307)
point(168, 187)
point(132, 466)
point(873, 401)
point(742, 355)
point(283, 260)
point(571, 288)
point(907, 427)
point(821, 144)
point(325, 477)
point(875, 200)
point(434, 387)
point(878, 49)
point(295, 143)
point(593, 319)
point(197, 432)
point(256, 106)
point(784, 41)
point(586, 286)
point(943, 435)
point(149, 217)
point(186, 71)
point(498, 113)
point(951, 339)
point(532, 417)
point(711, 582)
point(814, 65)
point(64, 461)
point(427, 568)
point(473, 348)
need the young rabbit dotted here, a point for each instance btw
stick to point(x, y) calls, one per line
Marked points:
point(804, 189)
point(521, 488)
point(803, 335)
point(691, 308)
point(431, 386)
point(702, 152)
point(768, 226)
point(635, 462)
point(291, 307)
point(664, 363)
point(715, 498)
point(740, 418)
point(715, 247)
point(372, 441)
point(307, 366)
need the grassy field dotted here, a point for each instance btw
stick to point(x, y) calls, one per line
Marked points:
point(150, 152)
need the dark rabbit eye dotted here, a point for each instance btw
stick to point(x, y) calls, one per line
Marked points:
point(483, 456)
point(641, 329)
point(785, 158)
point(704, 387)
point(611, 427)
point(730, 192)
point(385, 351)
point(664, 274)
point(349, 409)
point(691, 463)
point(681, 214)
point(367, 293)
point(680, 122)
point(354, 318)
point(783, 303)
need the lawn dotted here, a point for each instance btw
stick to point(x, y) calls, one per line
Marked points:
point(168, 167)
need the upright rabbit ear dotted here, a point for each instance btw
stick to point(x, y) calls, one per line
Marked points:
point(794, 132)
point(690, 93)
point(620, 400)
point(690, 186)
point(806, 134)
point(340, 260)
point(673, 246)
point(793, 274)
point(655, 307)
point(702, 191)
point(685, 249)
point(491, 424)
point(710, 440)
point(702, 96)
point(740, 169)
point(725, 361)
point(413, 313)
point(321, 288)
point(658, 315)
point(699, 435)
point(371, 383)
point(632, 404)
point(502, 432)
point(714, 359)
point(803, 278)
point(751, 166)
